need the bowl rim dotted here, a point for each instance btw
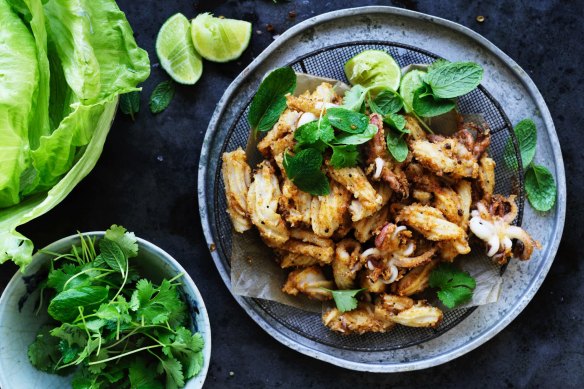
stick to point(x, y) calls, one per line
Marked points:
point(165, 257)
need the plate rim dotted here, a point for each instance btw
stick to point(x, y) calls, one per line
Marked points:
point(513, 310)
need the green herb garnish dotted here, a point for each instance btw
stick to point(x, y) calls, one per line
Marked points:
point(539, 181)
point(270, 100)
point(304, 170)
point(110, 323)
point(130, 103)
point(345, 300)
point(456, 287)
point(161, 96)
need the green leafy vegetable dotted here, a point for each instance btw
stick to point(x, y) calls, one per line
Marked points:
point(347, 121)
point(161, 96)
point(540, 187)
point(456, 287)
point(453, 79)
point(426, 105)
point(386, 102)
point(304, 170)
point(397, 145)
point(112, 325)
point(397, 122)
point(344, 156)
point(60, 86)
point(312, 132)
point(357, 139)
point(526, 134)
point(130, 103)
point(354, 97)
point(345, 300)
point(269, 102)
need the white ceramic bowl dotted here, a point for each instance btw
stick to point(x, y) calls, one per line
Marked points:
point(19, 323)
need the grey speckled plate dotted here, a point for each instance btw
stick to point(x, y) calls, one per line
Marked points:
point(509, 85)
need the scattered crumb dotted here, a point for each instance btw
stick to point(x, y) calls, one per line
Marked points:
point(160, 158)
point(276, 36)
point(480, 18)
point(212, 247)
point(259, 32)
point(269, 28)
point(231, 374)
point(292, 14)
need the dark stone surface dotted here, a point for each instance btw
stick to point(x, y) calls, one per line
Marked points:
point(146, 181)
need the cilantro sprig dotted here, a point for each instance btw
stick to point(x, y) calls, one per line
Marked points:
point(345, 300)
point(456, 287)
point(539, 181)
point(111, 324)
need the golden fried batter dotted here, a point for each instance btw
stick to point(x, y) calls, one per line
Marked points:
point(237, 178)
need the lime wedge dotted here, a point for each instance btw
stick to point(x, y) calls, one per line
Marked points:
point(220, 40)
point(372, 67)
point(176, 52)
point(411, 81)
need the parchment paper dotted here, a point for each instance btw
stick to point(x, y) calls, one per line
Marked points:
point(255, 272)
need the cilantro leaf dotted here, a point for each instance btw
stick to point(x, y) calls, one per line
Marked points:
point(540, 187)
point(163, 305)
point(44, 353)
point(345, 300)
point(456, 287)
point(344, 156)
point(269, 101)
point(174, 372)
point(304, 170)
point(126, 240)
point(141, 376)
point(354, 98)
point(347, 121)
point(526, 134)
point(453, 79)
point(311, 132)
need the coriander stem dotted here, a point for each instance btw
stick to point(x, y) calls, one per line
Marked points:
point(426, 127)
point(123, 355)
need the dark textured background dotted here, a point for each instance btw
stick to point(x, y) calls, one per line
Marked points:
point(146, 181)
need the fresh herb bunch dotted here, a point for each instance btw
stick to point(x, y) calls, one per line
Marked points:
point(118, 329)
point(539, 181)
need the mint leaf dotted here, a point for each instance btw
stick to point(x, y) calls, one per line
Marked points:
point(540, 187)
point(347, 121)
point(396, 145)
point(526, 134)
point(454, 79)
point(354, 98)
point(397, 122)
point(127, 240)
point(426, 105)
point(269, 101)
point(161, 96)
point(344, 156)
point(304, 170)
point(65, 305)
point(387, 101)
point(456, 287)
point(113, 255)
point(345, 299)
point(314, 131)
point(130, 103)
point(358, 139)
point(438, 63)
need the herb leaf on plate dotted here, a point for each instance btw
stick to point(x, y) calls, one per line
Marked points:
point(454, 79)
point(397, 146)
point(456, 287)
point(161, 96)
point(347, 120)
point(426, 105)
point(269, 101)
point(304, 170)
point(526, 134)
point(344, 156)
point(345, 300)
point(540, 187)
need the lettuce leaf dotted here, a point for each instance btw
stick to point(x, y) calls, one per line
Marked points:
point(65, 65)
point(18, 83)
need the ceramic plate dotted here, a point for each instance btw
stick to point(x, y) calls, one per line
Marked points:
point(508, 84)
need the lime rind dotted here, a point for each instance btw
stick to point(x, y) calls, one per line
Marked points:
point(220, 40)
point(176, 52)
